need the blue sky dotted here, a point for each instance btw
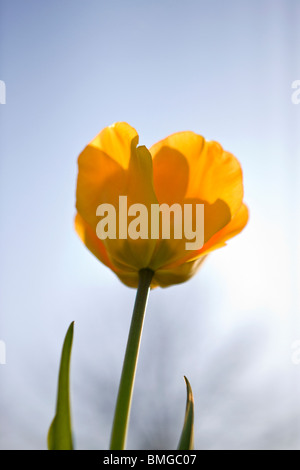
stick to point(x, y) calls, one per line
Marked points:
point(221, 69)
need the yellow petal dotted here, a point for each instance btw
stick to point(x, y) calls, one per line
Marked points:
point(111, 166)
point(166, 277)
point(91, 241)
point(187, 166)
point(189, 170)
point(88, 236)
point(101, 169)
point(235, 226)
point(116, 141)
point(216, 217)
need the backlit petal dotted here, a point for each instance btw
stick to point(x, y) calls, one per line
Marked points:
point(185, 165)
point(235, 226)
point(111, 166)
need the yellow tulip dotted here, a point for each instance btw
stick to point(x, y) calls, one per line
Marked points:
point(182, 169)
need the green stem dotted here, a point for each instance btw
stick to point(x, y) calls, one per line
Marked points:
point(122, 411)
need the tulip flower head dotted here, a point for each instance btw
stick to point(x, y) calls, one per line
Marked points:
point(163, 209)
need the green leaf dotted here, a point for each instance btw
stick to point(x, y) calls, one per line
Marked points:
point(60, 432)
point(187, 436)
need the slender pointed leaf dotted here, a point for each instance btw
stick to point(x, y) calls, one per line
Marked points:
point(60, 432)
point(187, 436)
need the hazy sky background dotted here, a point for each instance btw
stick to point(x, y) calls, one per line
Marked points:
point(223, 70)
